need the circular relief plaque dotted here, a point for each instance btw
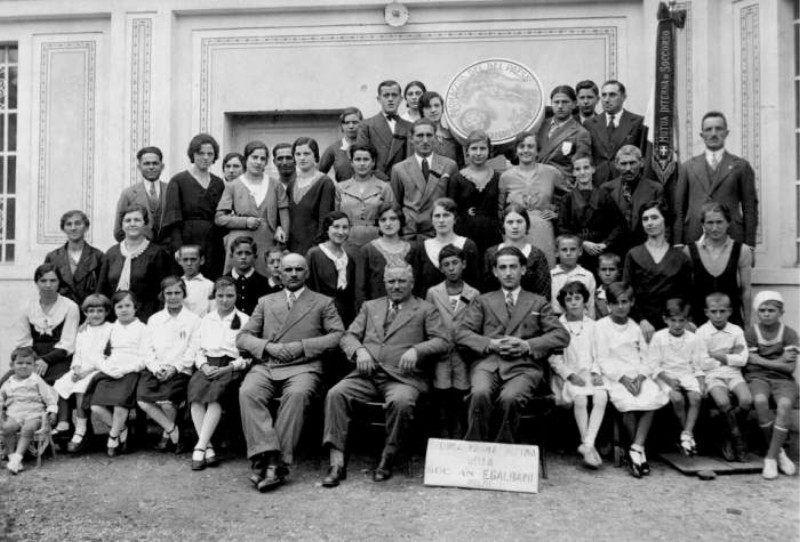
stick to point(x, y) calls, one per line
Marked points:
point(501, 97)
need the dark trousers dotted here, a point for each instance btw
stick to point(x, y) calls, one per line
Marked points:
point(490, 398)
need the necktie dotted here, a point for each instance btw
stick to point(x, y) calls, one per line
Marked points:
point(426, 170)
point(553, 127)
point(610, 126)
point(509, 302)
point(153, 195)
point(292, 299)
point(714, 162)
point(391, 315)
point(453, 303)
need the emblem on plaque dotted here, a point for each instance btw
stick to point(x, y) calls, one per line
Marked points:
point(501, 97)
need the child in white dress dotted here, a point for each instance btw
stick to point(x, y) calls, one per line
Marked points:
point(622, 357)
point(90, 343)
point(676, 356)
point(577, 372)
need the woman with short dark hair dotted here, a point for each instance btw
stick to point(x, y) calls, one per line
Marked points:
point(312, 195)
point(332, 265)
point(337, 155)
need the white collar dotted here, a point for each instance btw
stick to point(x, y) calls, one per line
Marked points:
point(514, 293)
point(235, 274)
point(419, 158)
point(196, 278)
point(296, 293)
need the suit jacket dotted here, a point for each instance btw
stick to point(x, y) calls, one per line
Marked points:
point(392, 148)
point(87, 273)
point(733, 183)
point(646, 191)
point(313, 320)
point(532, 320)
point(416, 196)
point(569, 139)
point(417, 324)
point(137, 193)
point(629, 131)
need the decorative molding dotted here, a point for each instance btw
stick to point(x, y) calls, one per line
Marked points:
point(141, 72)
point(209, 45)
point(46, 88)
point(750, 73)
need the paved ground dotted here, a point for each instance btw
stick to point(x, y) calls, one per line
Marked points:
point(146, 496)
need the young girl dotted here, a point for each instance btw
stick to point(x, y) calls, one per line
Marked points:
point(169, 356)
point(24, 398)
point(609, 269)
point(89, 345)
point(113, 392)
point(676, 356)
point(577, 369)
point(622, 355)
point(220, 368)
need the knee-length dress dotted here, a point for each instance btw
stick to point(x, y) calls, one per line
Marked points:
point(371, 262)
point(478, 209)
point(307, 206)
point(216, 346)
point(90, 343)
point(51, 334)
point(115, 385)
point(189, 211)
point(579, 358)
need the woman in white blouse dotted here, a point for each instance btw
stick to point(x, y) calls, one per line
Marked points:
point(168, 357)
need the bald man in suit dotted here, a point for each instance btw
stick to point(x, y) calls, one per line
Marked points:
point(287, 335)
point(613, 129)
point(386, 131)
point(390, 341)
point(718, 176)
point(511, 332)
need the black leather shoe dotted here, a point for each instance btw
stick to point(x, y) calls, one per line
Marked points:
point(272, 480)
point(383, 472)
point(335, 475)
point(645, 468)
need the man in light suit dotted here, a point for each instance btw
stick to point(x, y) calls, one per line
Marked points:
point(421, 179)
point(511, 332)
point(561, 137)
point(718, 176)
point(149, 193)
point(630, 191)
point(613, 129)
point(287, 335)
point(389, 341)
point(386, 131)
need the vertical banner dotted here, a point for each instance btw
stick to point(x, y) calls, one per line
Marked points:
point(664, 159)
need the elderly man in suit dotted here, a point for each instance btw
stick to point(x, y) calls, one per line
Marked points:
point(389, 341)
point(386, 131)
point(511, 332)
point(149, 193)
point(562, 137)
point(287, 335)
point(629, 192)
point(421, 179)
point(718, 176)
point(612, 129)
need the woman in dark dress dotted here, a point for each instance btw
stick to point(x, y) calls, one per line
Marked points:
point(77, 261)
point(388, 249)
point(656, 271)
point(312, 195)
point(332, 265)
point(135, 264)
point(720, 264)
point(424, 255)
point(337, 155)
point(516, 225)
point(475, 191)
point(191, 203)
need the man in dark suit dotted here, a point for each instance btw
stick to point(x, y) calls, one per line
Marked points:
point(149, 193)
point(287, 335)
point(588, 95)
point(511, 332)
point(630, 191)
point(613, 129)
point(386, 131)
point(718, 176)
point(421, 179)
point(389, 341)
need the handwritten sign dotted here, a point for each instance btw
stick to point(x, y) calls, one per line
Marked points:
point(482, 465)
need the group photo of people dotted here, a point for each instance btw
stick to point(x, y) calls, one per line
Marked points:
point(399, 265)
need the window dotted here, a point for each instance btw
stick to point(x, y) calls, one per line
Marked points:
point(8, 150)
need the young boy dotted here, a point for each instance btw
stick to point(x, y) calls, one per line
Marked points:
point(273, 256)
point(250, 285)
point(726, 354)
point(24, 397)
point(769, 372)
point(568, 247)
point(451, 381)
point(676, 355)
point(198, 288)
point(609, 269)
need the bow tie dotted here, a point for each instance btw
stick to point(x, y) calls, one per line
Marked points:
point(392, 116)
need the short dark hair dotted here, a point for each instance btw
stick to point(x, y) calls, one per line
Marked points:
point(310, 142)
point(244, 240)
point(367, 147)
point(137, 208)
point(328, 220)
point(388, 206)
point(510, 251)
point(171, 280)
point(573, 287)
point(69, 214)
point(149, 150)
point(199, 248)
point(418, 84)
point(252, 147)
point(427, 97)
point(422, 121)
point(587, 84)
point(230, 156)
point(715, 207)
point(582, 156)
point(22, 352)
point(389, 83)
point(519, 209)
point(477, 136)
point(450, 251)
point(617, 289)
point(522, 136)
point(120, 295)
point(568, 236)
point(658, 204)
point(222, 282)
point(198, 141)
point(676, 306)
point(45, 268)
point(347, 111)
point(619, 85)
point(94, 301)
point(282, 145)
point(447, 204)
point(714, 114)
point(564, 89)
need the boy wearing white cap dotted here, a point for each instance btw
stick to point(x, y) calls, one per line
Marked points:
point(769, 372)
